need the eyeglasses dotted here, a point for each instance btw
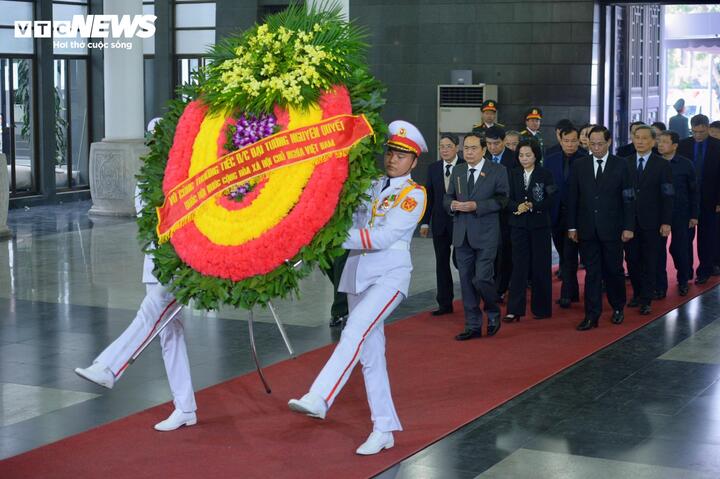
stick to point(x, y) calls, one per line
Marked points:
point(446, 147)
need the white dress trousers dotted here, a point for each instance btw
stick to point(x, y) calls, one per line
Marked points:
point(376, 279)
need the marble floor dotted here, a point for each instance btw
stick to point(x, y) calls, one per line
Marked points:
point(648, 406)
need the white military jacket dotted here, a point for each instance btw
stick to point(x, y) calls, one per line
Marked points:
point(379, 240)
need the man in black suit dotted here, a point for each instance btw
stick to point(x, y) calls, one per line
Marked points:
point(477, 192)
point(559, 126)
point(497, 153)
point(560, 165)
point(652, 179)
point(704, 152)
point(601, 217)
point(685, 214)
point(629, 149)
point(436, 185)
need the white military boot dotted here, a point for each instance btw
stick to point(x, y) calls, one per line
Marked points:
point(376, 442)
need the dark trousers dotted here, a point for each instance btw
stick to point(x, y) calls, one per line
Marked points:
point(679, 250)
point(641, 254)
point(568, 254)
point(476, 273)
point(504, 257)
point(603, 261)
point(334, 273)
point(535, 244)
point(442, 242)
point(707, 242)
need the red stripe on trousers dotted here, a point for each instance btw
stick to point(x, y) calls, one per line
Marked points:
point(357, 351)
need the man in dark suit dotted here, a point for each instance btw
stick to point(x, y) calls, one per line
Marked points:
point(559, 126)
point(679, 122)
point(629, 149)
point(477, 192)
point(685, 214)
point(652, 179)
point(601, 217)
point(436, 185)
point(560, 165)
point(497, 153)
point(704, 152)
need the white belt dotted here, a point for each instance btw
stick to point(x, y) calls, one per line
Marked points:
point(401, 245)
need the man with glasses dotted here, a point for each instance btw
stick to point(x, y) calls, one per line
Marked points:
point(477, 192)
point(704, 152)
point(601, 217)
point(438, 179)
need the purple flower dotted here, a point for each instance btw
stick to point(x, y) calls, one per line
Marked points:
point(251, 128)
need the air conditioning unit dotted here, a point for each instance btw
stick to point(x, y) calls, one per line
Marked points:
point(458, 106)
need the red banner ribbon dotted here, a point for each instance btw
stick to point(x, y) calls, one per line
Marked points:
point(317, 142)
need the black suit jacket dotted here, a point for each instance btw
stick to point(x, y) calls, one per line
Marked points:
point(435, 214)
point(709, 183)
point(625, 150)
point(601, 210)
point(540, 192)
point(653, 192)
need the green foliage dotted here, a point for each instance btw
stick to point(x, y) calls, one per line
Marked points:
point(209, 292)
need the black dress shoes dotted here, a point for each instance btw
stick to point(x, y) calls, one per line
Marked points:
point(701, 280)
point(509, 318)
point(468, 334)
point(634, 303)
point(618, 316)
point(645, 309)
point(683, 289)
point(659, 295)
point(493, 327)
point(540, 316)
point(587, 323)
point(442, 311)
point(564, 302)
point(716, 271)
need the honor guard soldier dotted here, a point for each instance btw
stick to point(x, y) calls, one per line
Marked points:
point(533, 118)
point(376, 279)
point(489, 115)
point(107, 368)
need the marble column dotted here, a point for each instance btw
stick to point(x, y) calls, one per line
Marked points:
point(4, 198)
point(115, 160)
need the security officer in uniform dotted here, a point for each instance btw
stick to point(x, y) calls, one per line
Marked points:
point(533, 118)
point(376, 278)
point(111, 363)
point(489, 115)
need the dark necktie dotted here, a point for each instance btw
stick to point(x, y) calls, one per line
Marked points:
point(566, 167)
point(496, 159)
point(471, 181)
point(641, 165)
point(387, 183)
point(447, 171)
point(598, 177)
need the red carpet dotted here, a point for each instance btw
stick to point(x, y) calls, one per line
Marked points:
point(438, 385)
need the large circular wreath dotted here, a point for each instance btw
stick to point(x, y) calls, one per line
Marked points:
point(256, 240)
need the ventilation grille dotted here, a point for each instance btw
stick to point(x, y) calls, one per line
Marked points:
point(461, 96)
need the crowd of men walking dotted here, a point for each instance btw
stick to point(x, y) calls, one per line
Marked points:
point(498, 202)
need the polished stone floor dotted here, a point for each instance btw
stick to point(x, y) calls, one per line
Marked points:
point(647, 407)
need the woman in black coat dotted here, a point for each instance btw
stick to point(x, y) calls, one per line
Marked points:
point(532, 193)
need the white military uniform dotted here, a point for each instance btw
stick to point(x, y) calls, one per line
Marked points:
point(172, 339)
point(376, 279)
